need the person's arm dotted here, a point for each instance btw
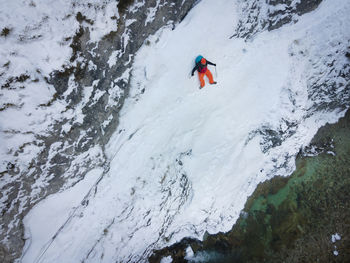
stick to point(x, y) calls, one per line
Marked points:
point(210, 63)
point(194, 69)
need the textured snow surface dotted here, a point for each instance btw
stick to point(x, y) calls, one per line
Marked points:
point(184, 160)
point(38, 43)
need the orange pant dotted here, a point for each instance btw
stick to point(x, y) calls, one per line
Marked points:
point(208, 74)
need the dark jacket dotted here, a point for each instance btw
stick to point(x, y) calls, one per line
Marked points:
point(202, 68)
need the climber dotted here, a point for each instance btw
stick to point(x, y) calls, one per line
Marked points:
point(201, 66)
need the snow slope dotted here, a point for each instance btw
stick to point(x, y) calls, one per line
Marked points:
point(185, 160)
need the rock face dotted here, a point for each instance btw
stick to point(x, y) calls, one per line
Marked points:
point(93, 85)
point(258, 15)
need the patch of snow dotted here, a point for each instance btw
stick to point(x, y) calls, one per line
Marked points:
point(106, 122)
point(66, 127)
point(113, 58)
point(167, 259)
point(189, 253)
point(91, 65)
point(128, 22)
point(98, 95)
point(335, 237)
point(136, 6)
point(151, 12)
point(126, 39)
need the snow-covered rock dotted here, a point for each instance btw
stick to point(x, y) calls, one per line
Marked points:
point(60, 99)
point(259, 15)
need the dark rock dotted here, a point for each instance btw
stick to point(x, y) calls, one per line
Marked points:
point(306, 6)
point(5, 32)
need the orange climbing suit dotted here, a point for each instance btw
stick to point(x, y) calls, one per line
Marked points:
point(209, 76)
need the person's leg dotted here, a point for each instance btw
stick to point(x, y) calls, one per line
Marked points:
point(201, 79)
point(210, 76)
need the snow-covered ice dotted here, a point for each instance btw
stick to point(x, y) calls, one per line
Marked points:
point(52, 213)
point(184, 160)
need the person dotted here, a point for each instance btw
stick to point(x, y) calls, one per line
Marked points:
point(202, 68)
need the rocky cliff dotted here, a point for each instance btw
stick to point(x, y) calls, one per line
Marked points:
point(87, 92)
